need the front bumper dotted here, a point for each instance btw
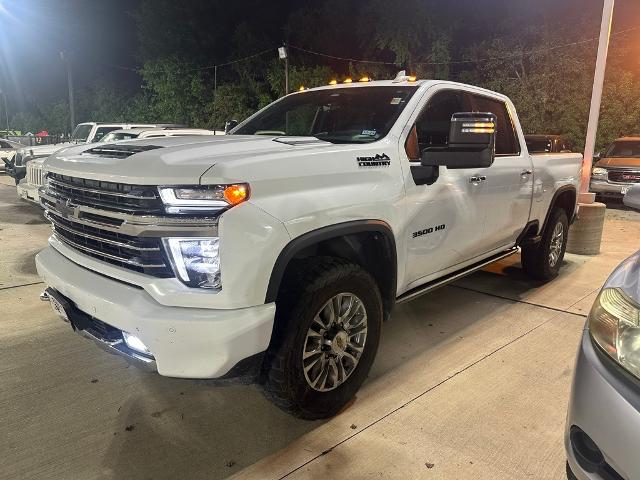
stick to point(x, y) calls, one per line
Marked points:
point(28, 192)
point(606, 188)
point(605, 404)
point(185, 342)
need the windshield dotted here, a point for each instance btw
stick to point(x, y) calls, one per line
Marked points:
point(343, 115)
point(81, 133)
point(624, 149)
point(115, 136)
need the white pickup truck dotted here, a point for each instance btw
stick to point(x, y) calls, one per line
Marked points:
point(86, 132)
point(277, 251)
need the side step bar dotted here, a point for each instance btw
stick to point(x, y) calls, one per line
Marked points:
point(452, 277)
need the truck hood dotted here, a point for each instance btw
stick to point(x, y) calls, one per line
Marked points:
point(42, 150)
point(170, 160)
point(619, 162)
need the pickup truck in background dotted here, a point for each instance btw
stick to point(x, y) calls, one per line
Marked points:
point(276, 252)
point(87, 132)
point(547, 144)
point(29, 186)
point(617, 169)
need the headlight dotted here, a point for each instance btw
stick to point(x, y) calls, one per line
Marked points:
point(614, 324)
point(195, 261)
point(598, 172)
point(210, 198)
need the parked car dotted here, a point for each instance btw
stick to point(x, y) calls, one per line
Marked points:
point(276, 252)
point(133, 133)
point(617, 168)
point(8, 149)
point(603, 423)
point(547, 143)
point(87, 132)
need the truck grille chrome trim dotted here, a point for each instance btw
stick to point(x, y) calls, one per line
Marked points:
point(623, 176)
point(117, 197)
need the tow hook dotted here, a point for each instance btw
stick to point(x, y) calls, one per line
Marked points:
point(44, 296)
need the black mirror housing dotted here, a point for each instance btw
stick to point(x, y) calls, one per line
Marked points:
point(230, 125)
point(472, 141)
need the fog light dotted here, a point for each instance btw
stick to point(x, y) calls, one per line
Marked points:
point(134, 343)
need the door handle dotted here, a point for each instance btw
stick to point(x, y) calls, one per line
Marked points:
point(525, 173)
point(477, 179)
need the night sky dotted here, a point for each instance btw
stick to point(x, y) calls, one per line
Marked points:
point(102, 37)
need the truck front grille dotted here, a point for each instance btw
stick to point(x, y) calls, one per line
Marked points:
point(624, 176)
point(116, 197)
point(142, 254)
point(35, 173)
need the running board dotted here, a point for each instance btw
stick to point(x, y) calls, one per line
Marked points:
point(452, 277)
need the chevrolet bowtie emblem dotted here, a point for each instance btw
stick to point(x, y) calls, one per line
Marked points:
point(65, 208)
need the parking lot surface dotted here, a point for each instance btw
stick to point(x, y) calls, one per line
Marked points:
point(471, 381)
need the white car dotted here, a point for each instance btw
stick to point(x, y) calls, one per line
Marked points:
point(277, 251)
point(8, 149)
point(133, 133)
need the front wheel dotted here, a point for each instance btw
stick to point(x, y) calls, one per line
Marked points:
point(330, 327)
point(542, 261)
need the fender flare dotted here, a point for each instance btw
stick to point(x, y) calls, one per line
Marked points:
point(326, 233)
point(554, 199)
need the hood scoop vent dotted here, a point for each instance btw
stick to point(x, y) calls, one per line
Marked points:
point(120, 151)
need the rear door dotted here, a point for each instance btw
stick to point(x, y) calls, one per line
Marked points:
point(509, 183)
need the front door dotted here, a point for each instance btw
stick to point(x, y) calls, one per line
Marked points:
point(445, 220)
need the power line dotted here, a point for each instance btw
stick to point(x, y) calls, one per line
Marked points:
point(454, 62)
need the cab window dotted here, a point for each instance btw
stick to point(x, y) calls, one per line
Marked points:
point(506, 140)
point(432, 126)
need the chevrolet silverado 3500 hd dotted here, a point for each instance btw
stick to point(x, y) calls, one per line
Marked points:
point(278, 250)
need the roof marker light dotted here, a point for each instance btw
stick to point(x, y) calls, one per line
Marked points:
point(333, 82)
point(365, 79)
point(348, 80)
point(412, 78)
point(301, 89)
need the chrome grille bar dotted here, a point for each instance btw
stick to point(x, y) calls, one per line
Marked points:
point(106, 255)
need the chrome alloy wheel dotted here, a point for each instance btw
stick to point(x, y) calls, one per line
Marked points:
point(556, 244)
point(335, 342)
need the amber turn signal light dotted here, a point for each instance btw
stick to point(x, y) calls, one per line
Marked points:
point(235, 194)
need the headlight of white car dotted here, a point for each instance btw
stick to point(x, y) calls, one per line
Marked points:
point(195, 261)
point(614, 324)
point(598, 172)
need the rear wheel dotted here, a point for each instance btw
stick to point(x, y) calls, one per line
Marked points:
point(542, 261)
point(329, 327)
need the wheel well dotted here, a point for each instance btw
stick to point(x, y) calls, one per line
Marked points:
point(565, 199)
point(372, 249)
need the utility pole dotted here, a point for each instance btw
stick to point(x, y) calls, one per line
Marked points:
point(72, 109)
point(596, 98)
point(6, 110)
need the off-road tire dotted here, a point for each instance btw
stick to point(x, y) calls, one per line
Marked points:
point(308, 287)
point(536, 260)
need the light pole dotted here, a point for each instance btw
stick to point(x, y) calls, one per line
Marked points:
point(585, 234)
point(6, 110)
point(596, 98)
point(72, 109)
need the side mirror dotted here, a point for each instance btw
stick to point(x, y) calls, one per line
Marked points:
point(472, 142)
point(230, 125)
point(632, 198)
point(597, 156)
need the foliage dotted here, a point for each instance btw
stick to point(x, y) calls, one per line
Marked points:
point(550, 84)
